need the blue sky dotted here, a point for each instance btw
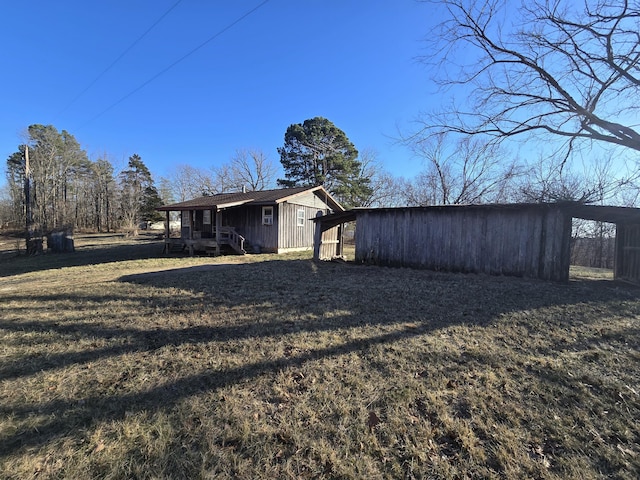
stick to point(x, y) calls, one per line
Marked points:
point(351, 61)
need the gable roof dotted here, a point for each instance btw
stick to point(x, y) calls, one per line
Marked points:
point(261, 197)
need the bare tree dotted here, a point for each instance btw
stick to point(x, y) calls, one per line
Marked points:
point(593, 244)
point(7, 210)
point(571, 69)
point(467, 171)
point(104, 191)
point(252, 168)
point(386, 190)
point(597, 181)
point(222, 180)
point(248, 168)
point(57, 168)
point(188, 182)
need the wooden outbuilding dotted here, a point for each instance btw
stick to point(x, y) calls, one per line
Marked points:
point(274, 221)
point(528, 240)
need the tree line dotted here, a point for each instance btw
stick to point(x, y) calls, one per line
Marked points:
point(68, 190)
point(51, 180)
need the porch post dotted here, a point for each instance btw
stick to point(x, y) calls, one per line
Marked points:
point(166, 226)
point(166, 235)
point(317, 238)
point(218, 227)
point(192, 218)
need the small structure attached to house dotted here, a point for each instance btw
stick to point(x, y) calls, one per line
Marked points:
point(274, 221)
point(528, 240)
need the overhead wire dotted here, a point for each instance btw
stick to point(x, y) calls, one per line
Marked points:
point(127, 50)
point(176, 62)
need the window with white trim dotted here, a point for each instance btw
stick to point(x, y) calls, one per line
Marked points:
point(267, 215)
point(186, 221)
point(300, 217)
point(206, 217)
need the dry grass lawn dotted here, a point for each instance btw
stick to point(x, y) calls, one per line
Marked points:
point(118, 363)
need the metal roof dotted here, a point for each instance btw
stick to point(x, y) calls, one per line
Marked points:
point(602, 213)
point(261, 197)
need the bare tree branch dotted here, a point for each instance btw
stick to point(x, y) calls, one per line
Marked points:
point(467, 171)
point(252, 168)
point(568, 72)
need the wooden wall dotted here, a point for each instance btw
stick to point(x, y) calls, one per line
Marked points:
point(247, 221)
point(627, 263)
point(330, 246)
point(292, 236)
point(283, 235)
point(531, 242)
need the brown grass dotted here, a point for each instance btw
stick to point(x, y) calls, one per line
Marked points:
point(275, 367)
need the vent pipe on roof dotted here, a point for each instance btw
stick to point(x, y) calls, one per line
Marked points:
point(244, 189)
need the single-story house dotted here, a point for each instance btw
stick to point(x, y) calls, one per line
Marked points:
point(524, 239)
point(273, 221)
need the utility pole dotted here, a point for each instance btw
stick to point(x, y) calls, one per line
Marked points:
point(27, 200)
point(34, 245)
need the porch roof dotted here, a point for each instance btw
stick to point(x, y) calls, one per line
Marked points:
point(263, 197)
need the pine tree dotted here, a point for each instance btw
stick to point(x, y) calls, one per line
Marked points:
point(317, 153)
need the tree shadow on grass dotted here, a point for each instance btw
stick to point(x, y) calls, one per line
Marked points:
point(93, 409)
point(286, 298)
point(142, 247)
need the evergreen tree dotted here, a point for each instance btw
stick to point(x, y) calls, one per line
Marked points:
point(316, 152)
point(138, 195)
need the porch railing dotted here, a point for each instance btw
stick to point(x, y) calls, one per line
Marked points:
point(229, 236)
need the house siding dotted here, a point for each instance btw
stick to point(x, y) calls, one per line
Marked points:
point(310, 199)
point(290, 234)
point(248, 223)
point(242, 211)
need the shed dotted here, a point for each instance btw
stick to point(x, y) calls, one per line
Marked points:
point(523, 239)
point(273, 221)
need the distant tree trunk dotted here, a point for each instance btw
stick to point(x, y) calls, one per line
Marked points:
point(107, 212)
point(34, 243)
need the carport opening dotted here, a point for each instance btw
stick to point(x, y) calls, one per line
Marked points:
point(349, 241)
point(592, 249)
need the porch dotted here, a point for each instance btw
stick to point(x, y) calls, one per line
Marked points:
point(199, 233)
point(222, 236)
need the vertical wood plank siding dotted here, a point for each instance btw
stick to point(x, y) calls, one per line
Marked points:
point(248, 223)
point(627, 255)
point(291, 235)
point(532, 242)
point(329, 247)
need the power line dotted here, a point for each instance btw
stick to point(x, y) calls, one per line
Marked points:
point(188, 54)
point(127, 50)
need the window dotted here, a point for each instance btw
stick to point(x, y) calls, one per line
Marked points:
point(206, 217)
point(300, 218)
point(267, 215)
point(185, 218)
